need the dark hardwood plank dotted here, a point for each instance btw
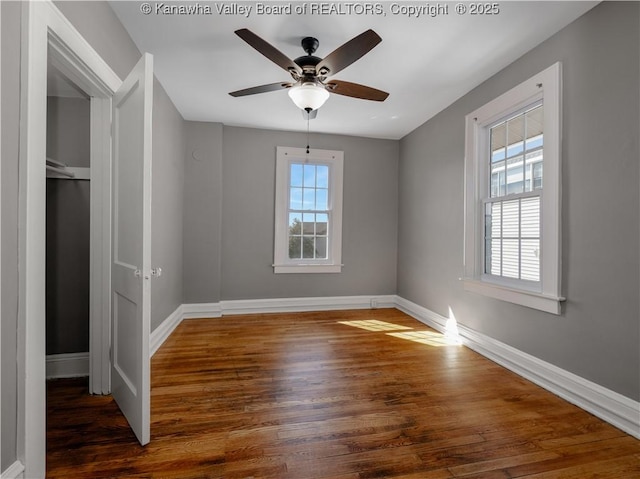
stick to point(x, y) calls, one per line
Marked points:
point(340, 395)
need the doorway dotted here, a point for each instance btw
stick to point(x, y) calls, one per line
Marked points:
point(49, 38)
point(68, 200)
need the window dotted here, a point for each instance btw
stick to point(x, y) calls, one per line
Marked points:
point(308, 219)
point(512, 205)
point(512, 210)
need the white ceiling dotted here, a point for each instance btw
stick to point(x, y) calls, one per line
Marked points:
point(424, 63)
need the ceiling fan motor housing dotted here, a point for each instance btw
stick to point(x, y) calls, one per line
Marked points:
point(310, 45)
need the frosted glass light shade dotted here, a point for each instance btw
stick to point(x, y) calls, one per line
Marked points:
point(308, 96)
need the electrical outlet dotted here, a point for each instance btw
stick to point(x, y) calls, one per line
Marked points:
point(374, 303)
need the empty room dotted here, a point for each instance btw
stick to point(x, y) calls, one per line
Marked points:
point(313, 240)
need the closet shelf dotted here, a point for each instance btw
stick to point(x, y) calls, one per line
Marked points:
point(59, 170)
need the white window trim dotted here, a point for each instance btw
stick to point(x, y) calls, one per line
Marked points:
point(545, 85)
point(282, 263)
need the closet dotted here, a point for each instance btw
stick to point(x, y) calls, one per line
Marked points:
point(67, 228)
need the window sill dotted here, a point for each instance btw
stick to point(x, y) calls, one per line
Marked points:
point(307, 268)
point(540, 301)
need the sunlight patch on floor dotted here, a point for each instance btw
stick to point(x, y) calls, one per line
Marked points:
point(430, 338)
point(375, 325)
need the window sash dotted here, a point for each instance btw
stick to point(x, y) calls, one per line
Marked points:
point(528, 261)
point(311, 243)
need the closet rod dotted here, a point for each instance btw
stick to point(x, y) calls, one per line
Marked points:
point(61, 171)
point(59, 164)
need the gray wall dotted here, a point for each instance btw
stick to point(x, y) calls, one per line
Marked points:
point(167, 205)
point(68, 130)
point(10, 58)
point(202, 212)
point(369, 217)
point(229, 216)
point(68, 216)
point(101, 28)
point(597, 335)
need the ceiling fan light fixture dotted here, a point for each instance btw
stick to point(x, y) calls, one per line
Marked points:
point(308, 96)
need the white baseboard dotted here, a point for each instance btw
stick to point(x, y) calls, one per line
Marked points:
point(201, 310)
point(616, 409)
point(14, 471)
point(162, 332)
point(72, 365)
point(285, 305)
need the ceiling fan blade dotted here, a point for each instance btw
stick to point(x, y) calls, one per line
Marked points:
point(355, 90)
point(309, 115)
point(348, 53)
point(268, 50)
point(261, 89)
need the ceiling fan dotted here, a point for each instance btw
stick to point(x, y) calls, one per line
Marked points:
point(311, 85)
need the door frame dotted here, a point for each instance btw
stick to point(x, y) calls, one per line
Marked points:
point(46, 35)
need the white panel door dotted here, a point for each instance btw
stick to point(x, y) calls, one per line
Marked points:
point(130, 332)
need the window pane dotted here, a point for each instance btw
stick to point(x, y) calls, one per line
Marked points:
point(295, 247)
point(515, 136)
point(496, 220)
point(515, 180)
point(488, 221)
point(322, 199)
point(530, 217)
point(308, 228)
point(307, 247)
point(515, 149)
point(510, 219)
point(308, 199)
point(321, 247)
point(296, 175)
point(322, 221)
point(535, 142)
point(498, 142)
point(295, 223)
point(537, 176)
point(531, 160)
point(535, 122)
point(510, 258)
point(495, 255)
point(498, 177)
point(295, 199)
point(322, 176)
point(530, 260)
point(310, 176)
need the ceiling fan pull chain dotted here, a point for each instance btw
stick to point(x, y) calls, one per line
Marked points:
point(308, 113)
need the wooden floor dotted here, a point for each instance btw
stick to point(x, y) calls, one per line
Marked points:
point(344, 395)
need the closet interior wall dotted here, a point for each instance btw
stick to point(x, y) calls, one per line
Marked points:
point(67, 251)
